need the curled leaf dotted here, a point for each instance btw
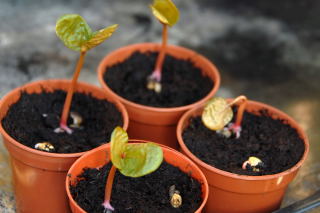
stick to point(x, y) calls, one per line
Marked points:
point(165, 11)
point(73, 30)
point(99, 36)
point(134, 160)
point(119, 139)
point(217, 113)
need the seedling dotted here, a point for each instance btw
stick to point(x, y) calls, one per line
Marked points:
point(168, 14)
point(76, 34)
point(218, 113)
point(133, 160)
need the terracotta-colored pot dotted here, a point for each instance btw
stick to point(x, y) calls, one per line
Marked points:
point(155, 123)
point(231, 192)
point(39, 177)
point(100, 156)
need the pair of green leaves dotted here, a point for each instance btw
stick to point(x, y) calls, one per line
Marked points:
point(134, 160)
point(76, 34)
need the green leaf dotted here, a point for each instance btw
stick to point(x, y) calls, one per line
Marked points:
point(73, 30)
point(100, 36)
point(141, 159)
point(134, 160)
point(119, 139)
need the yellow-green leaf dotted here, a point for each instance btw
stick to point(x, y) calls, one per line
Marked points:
point(134, 160)
point(141, 159)
point(165, 11)
point(119, 140)
point(217, 113)
point(73, 30)
point(99, 36)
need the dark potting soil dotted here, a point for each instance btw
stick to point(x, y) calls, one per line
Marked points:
point(145, 194)
point(34, 117)
point(274, 142)
point(182, 82)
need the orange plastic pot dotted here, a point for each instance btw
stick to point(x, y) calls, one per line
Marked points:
point(39, 177)
point(100, 156)
point(155, 123)
point(231, 192)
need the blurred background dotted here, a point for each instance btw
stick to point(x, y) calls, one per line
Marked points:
point(268, 50)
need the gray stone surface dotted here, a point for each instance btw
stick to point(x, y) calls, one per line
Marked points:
point(267, 50)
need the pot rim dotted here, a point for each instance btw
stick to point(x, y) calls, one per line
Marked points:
point(203, 181)
point(6, 136)
point(291, 122)
point(101, 70)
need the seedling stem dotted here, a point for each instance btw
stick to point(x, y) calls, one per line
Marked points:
point(156, 75)
point(108, 189)
point(236, 127)
point(67, 103)
point(143, 159)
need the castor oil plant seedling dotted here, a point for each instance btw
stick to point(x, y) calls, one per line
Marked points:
point(218, 113)
point(76, 34)
point(168, 15)
point(132, 160)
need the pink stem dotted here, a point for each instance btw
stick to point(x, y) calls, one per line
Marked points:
point(108, 189)
point(156, 75)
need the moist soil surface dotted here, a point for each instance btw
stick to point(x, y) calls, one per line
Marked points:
point(145, 194)
point(273, 141)
point(182, 82)
point(34, 117)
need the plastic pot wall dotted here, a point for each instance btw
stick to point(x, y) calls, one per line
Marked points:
point(155, 123)
point(231, 193)
point(39, 177)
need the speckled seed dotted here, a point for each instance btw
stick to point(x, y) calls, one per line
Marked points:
point(175, 197)
point(176, 200)
point(44, 146)
point(253, 163)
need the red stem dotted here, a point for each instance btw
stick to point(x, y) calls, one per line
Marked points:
point(108, 189)
point(241, 108)
point(240, 112)
point(67, 103)
point(160, 59)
